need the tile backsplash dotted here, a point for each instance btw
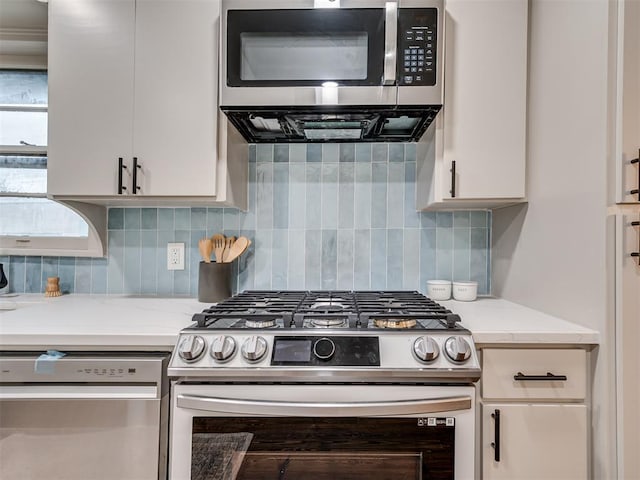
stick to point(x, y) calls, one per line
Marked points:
point(333, 216)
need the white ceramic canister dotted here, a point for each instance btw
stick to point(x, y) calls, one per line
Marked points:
point(439, 289)
point(465, 291)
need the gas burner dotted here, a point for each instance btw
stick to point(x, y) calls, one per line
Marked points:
point(260, 322)
point(327, 307)
point(397, 323)
point(320, 322)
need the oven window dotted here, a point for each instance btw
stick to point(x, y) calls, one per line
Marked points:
point(322, 448)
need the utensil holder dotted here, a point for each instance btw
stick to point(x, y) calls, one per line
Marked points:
point(214, 282)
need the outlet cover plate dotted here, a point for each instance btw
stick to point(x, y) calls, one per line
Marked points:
point(175, 256)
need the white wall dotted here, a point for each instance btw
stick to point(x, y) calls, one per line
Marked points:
point(551, 254)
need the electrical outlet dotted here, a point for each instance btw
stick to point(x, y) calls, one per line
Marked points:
point(175, 256)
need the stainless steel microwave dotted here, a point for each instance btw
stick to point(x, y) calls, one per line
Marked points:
point(327, 70)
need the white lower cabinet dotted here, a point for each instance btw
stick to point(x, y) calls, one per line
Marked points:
point(534, 414)
point(534, 441)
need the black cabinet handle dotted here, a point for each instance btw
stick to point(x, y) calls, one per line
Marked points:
point(453, 179)
point(636, 254)
point(121, 166)
point(496, 435)
point(636, 191)
point(136, 166)
point(549, 376)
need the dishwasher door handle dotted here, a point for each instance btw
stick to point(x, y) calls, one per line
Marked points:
point(78, 392)
point(334, 409)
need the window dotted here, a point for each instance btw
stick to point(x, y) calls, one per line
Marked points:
point(31, 224)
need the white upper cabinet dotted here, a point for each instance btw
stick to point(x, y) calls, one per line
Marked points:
point(137, 80)
point(627, 149)
point(475, 155)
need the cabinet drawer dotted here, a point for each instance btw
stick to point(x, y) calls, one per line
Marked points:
point(521, 374)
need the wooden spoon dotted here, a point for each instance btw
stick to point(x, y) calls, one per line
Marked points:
point(218, 246)
point(237, 248)
point(227, 247)
point(205, 245)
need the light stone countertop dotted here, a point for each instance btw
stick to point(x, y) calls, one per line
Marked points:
point(106, 322)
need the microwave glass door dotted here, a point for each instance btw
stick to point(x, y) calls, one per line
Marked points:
point(305, 47)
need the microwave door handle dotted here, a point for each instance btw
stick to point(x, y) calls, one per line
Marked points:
point(390, 43)
point(333, 409)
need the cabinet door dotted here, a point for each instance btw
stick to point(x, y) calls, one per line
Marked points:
point(628, 338)
point(175, 121)
point(90, 94)
point(536, 441)
point(628, 103)
point(485, 98)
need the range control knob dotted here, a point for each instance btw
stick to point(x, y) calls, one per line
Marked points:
point(457, 349)
point(222, 348)
point(324, 348)
point(254, 348)
point(426, 349)
point(191, 348)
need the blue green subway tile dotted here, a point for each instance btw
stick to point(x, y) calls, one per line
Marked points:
point(479, 268)
point(4, 259)
point(181, 284)
point(362, 259)
point(444, 253)
point(49, 269)
point(345, 259)
point(149, 218)
point(115, 218)
point(313, 201)
point(264, 195)
point(395, 196)
point(231, 221)
point(165, 219)
point(214, 220)
point(380, 152)
point(252, 153)
point(346, 195)
point(411, 259)
point(461, 250)
point(281, 153)
point(16, 274)
point(411, 215)
point(478, 218)
point(479, 238)
point(410, 152)
point(378, 259)
point(164, 276)
point(198, 218)
point(248, 220)
point(33, 275)
point(379, 195)
point(331, 152)
point(182, 220)
point(314, 152)
point(347, 152)
point(246, 270)
point(461, 219)
point(281, 196)
point(298, 152)
point(395, 252)
point(444, 219)
point(296, 259)
point(264, 153)
point(83, 275)
point(330, 195)
point(329, 257)
point(396, 152)
point(132, 219)
point(428, 219)
point(115, 267)
point(427, 257)
point(363, 152)
point(297, 195)
point(313, 259)
point(99, 276)
point(279, 259)
point(263, 262)
point(132, 262)
point(362, 196)
point(148, 262)
point(67, 274)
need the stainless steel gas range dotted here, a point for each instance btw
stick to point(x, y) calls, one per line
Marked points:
point(324, 384)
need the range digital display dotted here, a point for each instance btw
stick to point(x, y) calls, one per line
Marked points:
point(292, 350)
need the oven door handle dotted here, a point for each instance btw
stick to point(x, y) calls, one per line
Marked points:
point(333, 409)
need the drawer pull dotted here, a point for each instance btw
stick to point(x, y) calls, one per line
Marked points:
point(549, 376)
point(496, 435)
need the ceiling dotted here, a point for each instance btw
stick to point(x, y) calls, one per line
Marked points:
point(23, 14)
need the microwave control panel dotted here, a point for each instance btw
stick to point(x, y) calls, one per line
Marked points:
point(417, 47)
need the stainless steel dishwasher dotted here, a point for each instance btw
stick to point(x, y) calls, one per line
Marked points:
point(83, 416)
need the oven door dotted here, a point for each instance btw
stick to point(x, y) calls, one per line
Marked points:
point(322, 431)
point(294, 54)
